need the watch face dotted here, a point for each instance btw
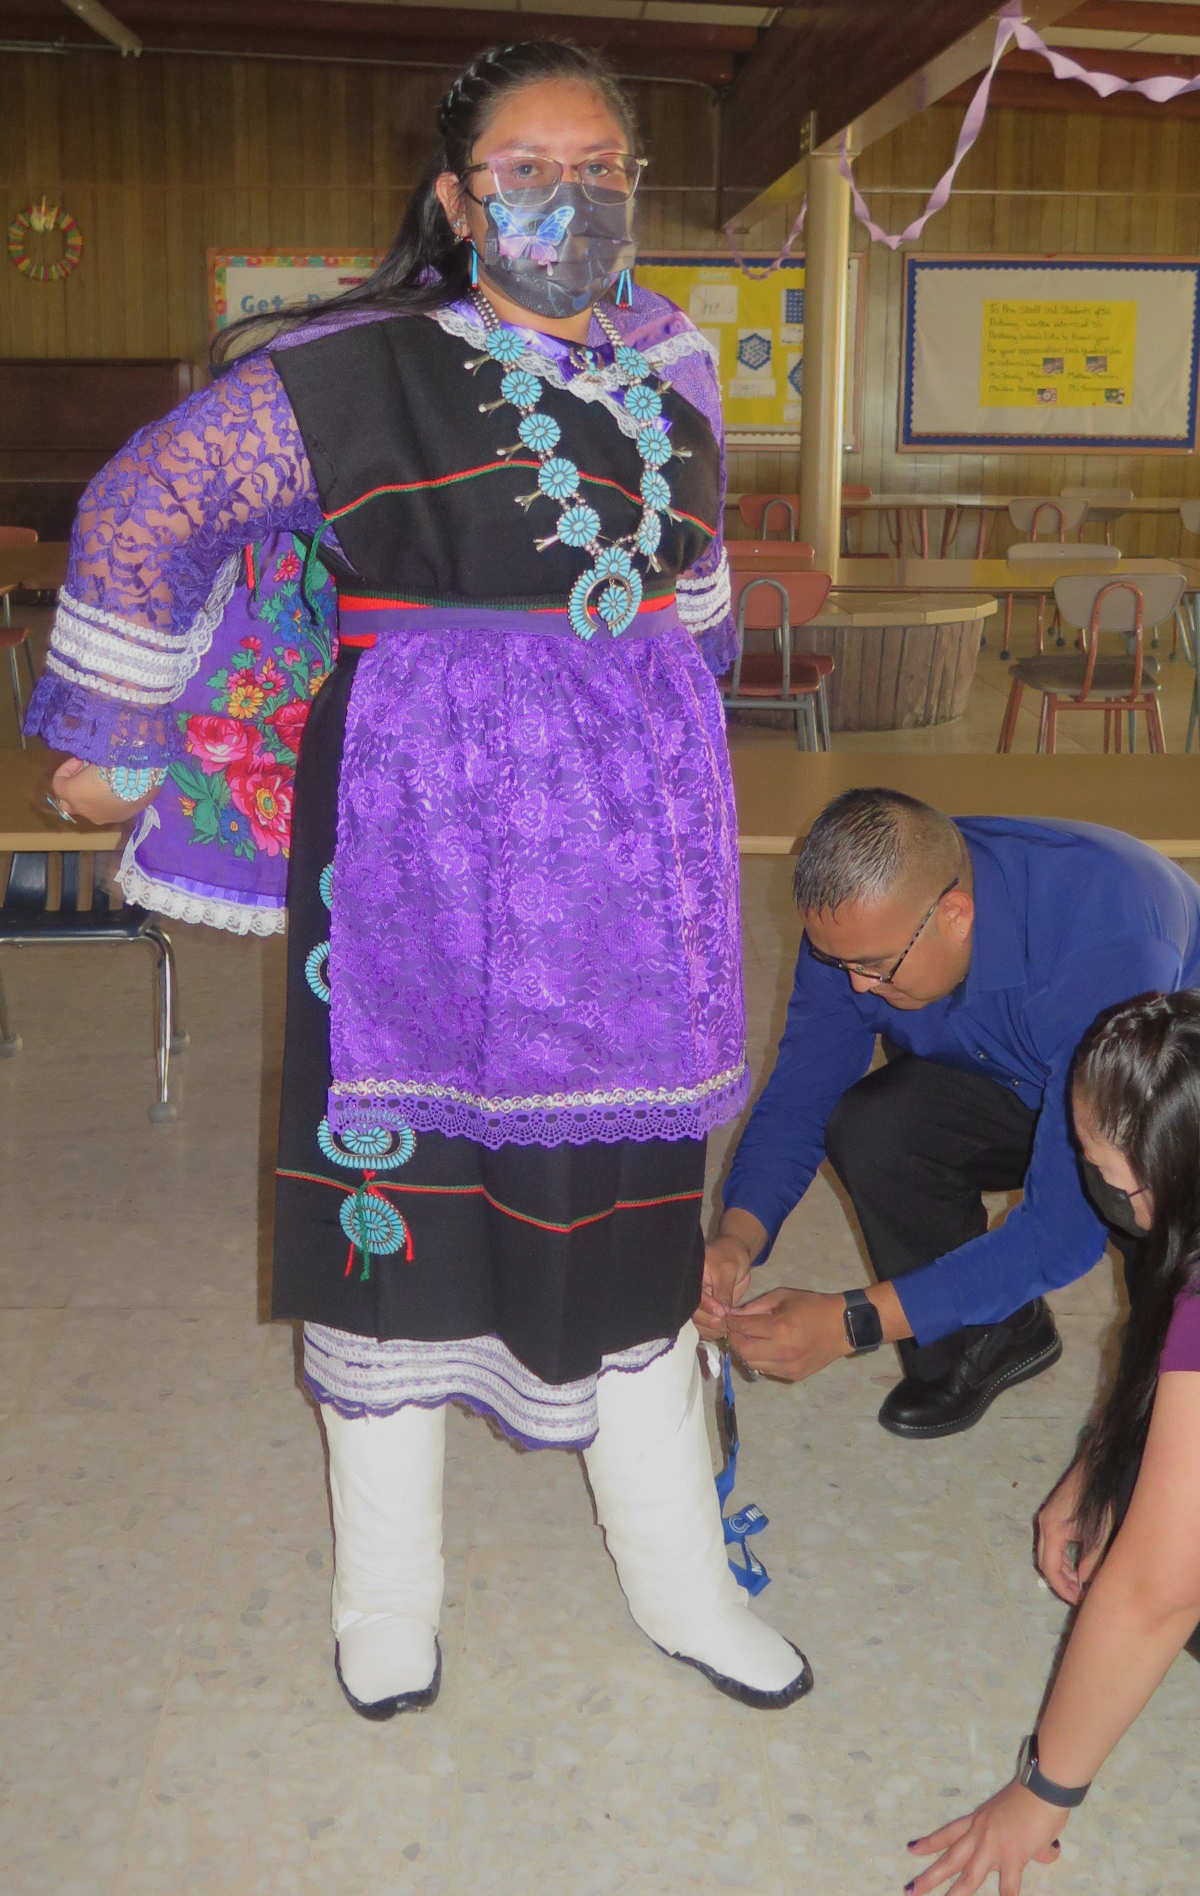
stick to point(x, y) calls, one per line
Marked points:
point(863, 1325)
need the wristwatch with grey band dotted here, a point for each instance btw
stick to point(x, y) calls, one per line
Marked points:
point(1029, 1774)
point(862, 1323)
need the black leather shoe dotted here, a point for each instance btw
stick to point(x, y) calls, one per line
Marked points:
point(990, 1363)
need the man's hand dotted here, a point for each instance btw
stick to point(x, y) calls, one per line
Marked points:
point(789, 1333)
point(726, 1280)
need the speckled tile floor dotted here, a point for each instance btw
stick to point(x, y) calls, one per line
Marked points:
point(169, 1718)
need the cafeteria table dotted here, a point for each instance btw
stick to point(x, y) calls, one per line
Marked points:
point(780, 791)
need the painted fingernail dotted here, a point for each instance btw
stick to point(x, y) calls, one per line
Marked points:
point(909, 1887)
point(912, 1843)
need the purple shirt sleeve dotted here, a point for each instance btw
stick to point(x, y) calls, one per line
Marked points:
point(1182, 1347)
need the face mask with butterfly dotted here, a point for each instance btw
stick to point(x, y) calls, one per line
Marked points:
point(557, 259)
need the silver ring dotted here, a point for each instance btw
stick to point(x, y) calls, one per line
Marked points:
point(60, 809)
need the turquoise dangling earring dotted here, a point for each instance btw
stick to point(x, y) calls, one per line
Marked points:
point(474, 266)
point(624, 295)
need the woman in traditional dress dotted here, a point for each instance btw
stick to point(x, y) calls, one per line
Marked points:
point(514, 987)
point(1120, 1536)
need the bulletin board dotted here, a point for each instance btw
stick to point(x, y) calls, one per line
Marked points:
point(755, 324)
point(262, 282)
point(756, 327)
point(1025, 354)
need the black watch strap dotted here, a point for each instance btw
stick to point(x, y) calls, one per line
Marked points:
point(1030, 1775)
point(862, 1323)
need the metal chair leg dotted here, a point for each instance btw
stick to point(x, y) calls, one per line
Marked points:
point(10, 1043)
point(162, 1110)
point(1193, 714)
point(18, 701)
point(823, 716)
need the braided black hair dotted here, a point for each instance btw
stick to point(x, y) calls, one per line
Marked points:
point(428, 265)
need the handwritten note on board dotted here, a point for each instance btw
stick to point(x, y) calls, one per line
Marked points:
point(1057, 354)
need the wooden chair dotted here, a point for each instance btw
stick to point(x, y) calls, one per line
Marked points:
point(1098, 604)
point(1034, 553)
point(757, 511)
point(14, 639)
point(782, 680)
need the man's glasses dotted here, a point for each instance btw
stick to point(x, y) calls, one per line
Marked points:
point(880, 978)
point(525, 182)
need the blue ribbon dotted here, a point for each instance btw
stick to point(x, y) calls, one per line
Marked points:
point(749, 1571)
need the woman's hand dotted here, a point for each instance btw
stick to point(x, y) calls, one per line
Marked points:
point(1011, 1830)
point(726, 1281)
point(78, 787)
point(1062, 1561)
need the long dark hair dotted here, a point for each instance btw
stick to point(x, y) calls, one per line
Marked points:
point(427, 265)
point(1137, 1075)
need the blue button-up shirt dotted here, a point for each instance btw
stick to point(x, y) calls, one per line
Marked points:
point(1069, 918)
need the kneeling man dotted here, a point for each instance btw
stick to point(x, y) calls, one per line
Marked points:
point(979, 950)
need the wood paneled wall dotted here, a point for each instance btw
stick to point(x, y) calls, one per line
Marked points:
point(160, 159)
point(1149, 174)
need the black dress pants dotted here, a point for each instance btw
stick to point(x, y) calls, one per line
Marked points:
point(916, 1144)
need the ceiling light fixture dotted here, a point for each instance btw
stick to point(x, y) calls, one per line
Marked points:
point(102, 21)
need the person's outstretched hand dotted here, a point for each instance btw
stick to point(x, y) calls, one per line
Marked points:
point(1010, 1831)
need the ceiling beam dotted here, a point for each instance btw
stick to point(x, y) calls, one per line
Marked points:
point(312, 29)
point(809, 81)
point(1147, 16)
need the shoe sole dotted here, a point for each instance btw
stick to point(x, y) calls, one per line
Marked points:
point(377, 1710)
point(1019, 1373)
point(749, 1694)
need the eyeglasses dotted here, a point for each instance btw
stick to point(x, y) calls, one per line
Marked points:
point(873, 974)
point(525, 182)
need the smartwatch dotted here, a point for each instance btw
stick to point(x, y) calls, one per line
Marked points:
point(862, 1323)
point(1028, 1774)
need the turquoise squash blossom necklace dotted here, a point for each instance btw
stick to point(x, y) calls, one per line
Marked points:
point(611, 587)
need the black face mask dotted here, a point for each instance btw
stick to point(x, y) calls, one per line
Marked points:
point(558, 258)
point(1114, 1206)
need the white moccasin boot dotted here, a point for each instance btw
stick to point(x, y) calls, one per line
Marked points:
point(385, 1479)
point(650, 1467)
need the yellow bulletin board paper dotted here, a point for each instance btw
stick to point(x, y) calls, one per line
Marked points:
point(1069, 355)
point(1006, 354)
point(755, 324)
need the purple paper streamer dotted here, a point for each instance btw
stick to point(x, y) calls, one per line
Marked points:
point(1009, 27)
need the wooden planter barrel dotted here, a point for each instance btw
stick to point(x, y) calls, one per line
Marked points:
point(895, 677)
point(902, 660)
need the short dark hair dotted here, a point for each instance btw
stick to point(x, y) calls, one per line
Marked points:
point(866, 843)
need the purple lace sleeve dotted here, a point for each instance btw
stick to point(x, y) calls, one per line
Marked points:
point(154, 560)
point(682, 358)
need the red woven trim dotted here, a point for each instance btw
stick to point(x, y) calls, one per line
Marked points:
point(521, 1217)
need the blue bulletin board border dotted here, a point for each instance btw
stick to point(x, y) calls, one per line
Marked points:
point(911, 437)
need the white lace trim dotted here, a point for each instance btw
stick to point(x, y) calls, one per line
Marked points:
point(541, 1102)
point(116, 657)
point(704, 602)
point(362, 1376)
point(597, 385)
point(182, 905)
point(672, 348)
